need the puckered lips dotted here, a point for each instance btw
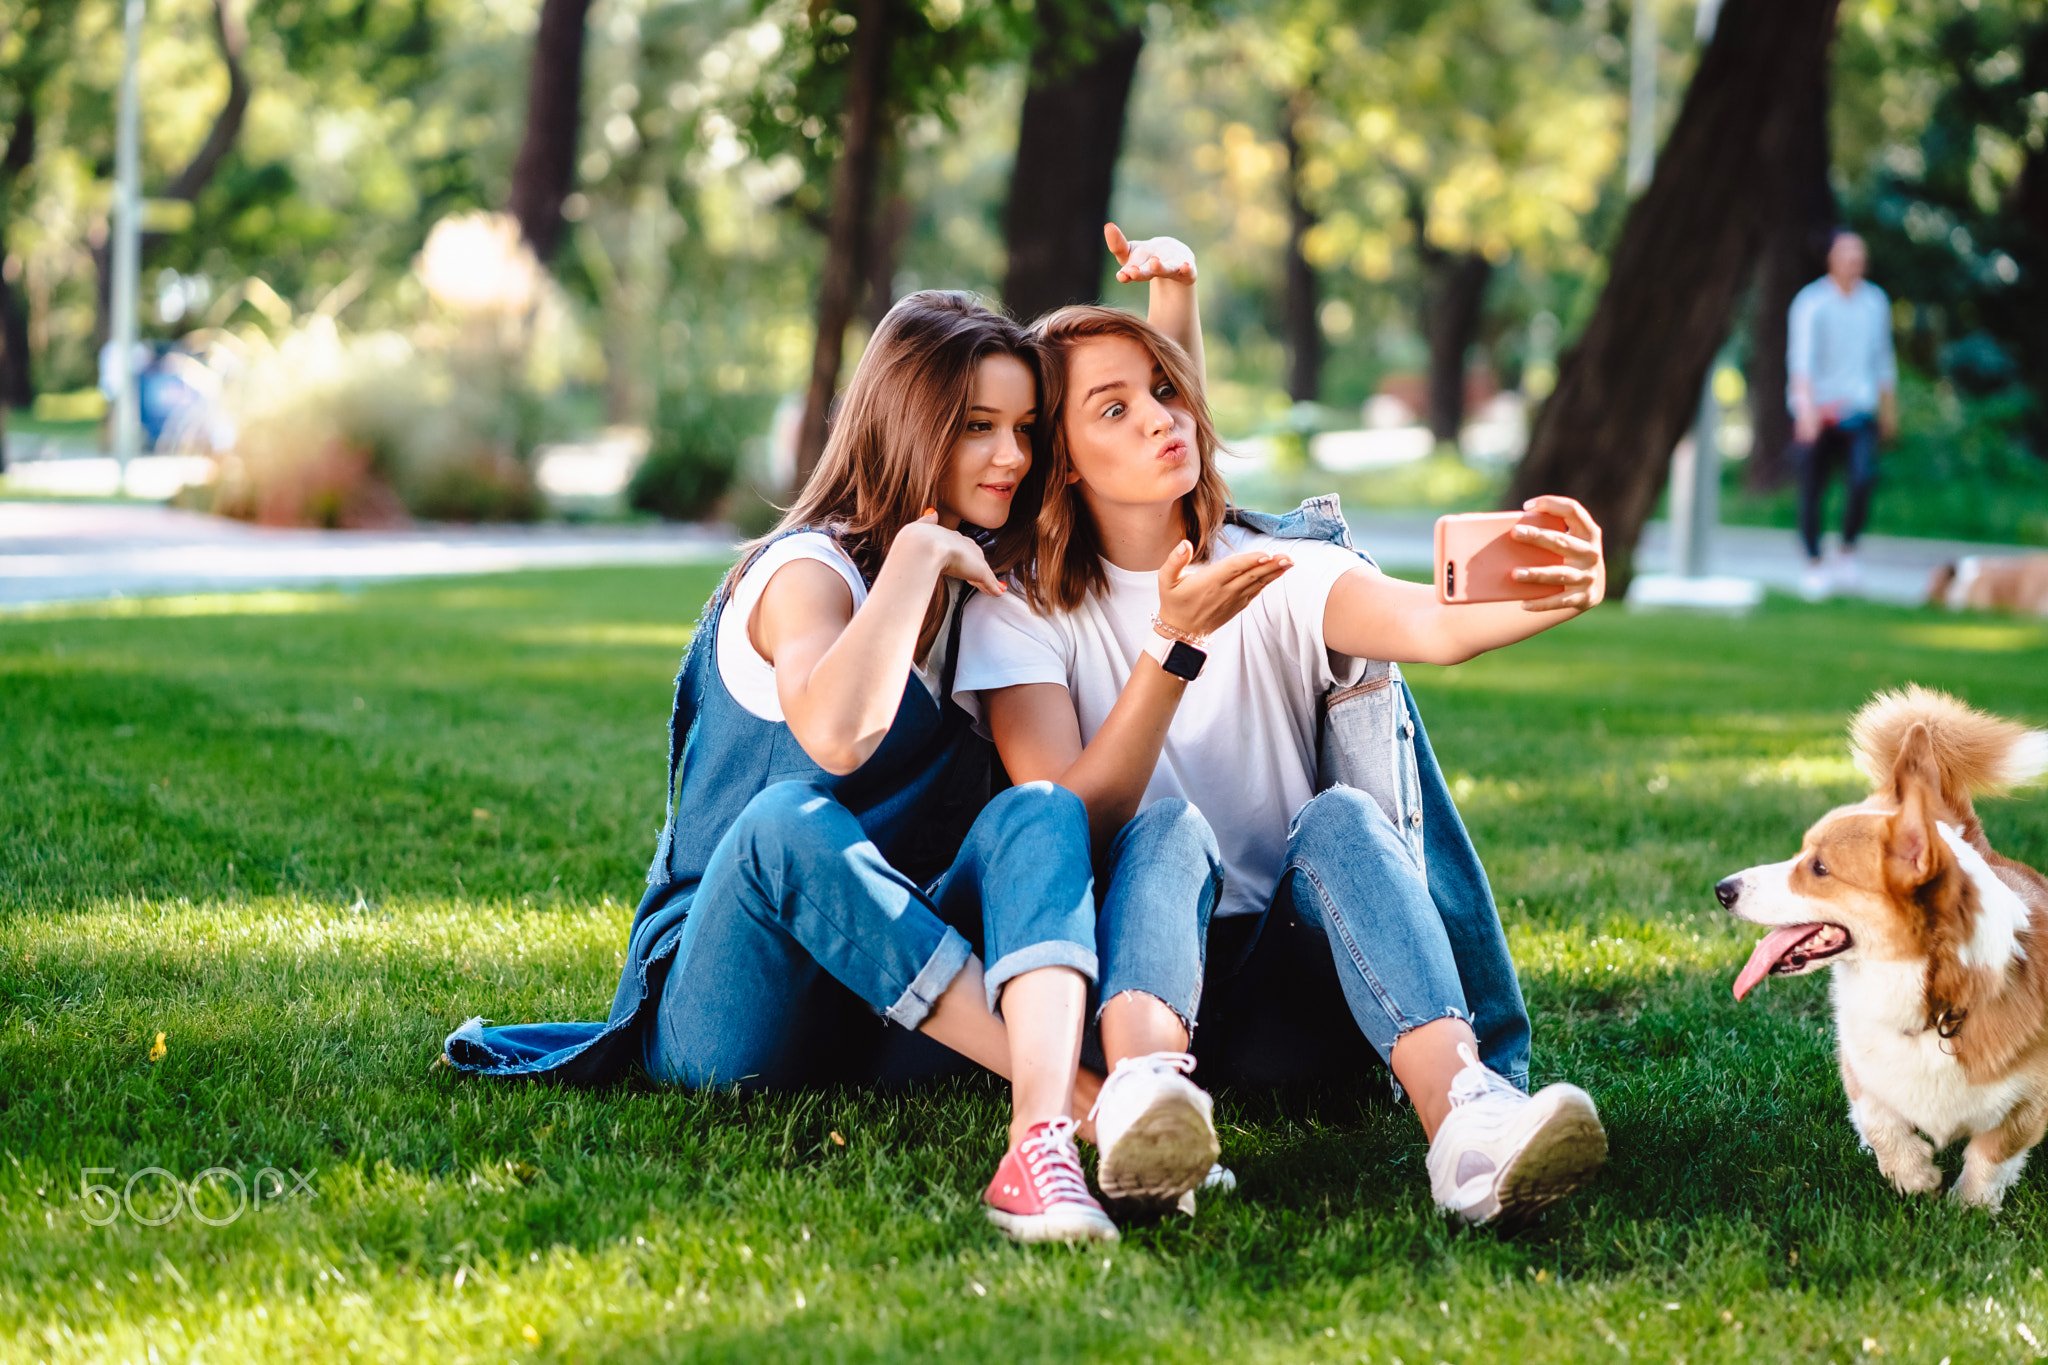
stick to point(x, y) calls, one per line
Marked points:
point(1791, 951)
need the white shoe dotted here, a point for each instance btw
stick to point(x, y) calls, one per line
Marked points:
point(1154, 1129)
point(1814, 583)
point(1847, 574)
point(1220, 1180)
point(1503, 1155)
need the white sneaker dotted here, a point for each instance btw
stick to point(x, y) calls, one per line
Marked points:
point(1814, 583)
point(1847, 575)
point(1153, 1129)
point(1502, 1155)
point(1220, 1180)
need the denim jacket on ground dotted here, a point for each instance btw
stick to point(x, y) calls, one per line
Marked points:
point(1370, 736)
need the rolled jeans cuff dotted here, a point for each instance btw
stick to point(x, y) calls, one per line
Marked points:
point(1187, 1018)
point(1046, 953)
point(930, 983)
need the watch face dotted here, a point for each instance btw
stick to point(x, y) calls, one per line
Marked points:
point(1184, 661)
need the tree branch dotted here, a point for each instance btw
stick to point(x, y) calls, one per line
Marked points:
point(232, 36)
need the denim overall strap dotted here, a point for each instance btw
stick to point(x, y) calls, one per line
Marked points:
point(683, 712)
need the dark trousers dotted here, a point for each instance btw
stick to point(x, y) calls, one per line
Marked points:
point(1854, 440)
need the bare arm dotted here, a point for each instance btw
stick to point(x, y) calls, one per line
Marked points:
point(1369, 615)
point(1170, 266)
point(1799, 366)
point(839, 673)
point(1039, 737)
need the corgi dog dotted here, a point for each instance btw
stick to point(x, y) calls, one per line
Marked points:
point(2017, 583)
point(1939, 945)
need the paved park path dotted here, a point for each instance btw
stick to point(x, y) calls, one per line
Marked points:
point(80, 551)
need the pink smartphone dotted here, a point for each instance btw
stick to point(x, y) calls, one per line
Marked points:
point(1476, 560)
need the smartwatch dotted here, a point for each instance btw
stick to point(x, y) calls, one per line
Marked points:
point(1177, 657)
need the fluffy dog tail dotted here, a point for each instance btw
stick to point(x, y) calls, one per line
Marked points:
point(1979, 754)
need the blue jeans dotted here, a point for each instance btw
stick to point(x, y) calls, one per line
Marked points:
point(799, 916)
point(1161, 878)
point(1355, 947)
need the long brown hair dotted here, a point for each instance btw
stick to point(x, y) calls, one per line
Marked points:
point(893, 438)
point(1067, 566)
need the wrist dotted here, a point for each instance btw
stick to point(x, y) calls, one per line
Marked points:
point(1176, 658)
point(915, 552)
point(1167, 630)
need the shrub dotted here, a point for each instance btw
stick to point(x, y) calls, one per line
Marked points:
point(696, 450)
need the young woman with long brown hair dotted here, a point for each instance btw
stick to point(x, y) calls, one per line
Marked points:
point(1161, 651)
point(831, 843)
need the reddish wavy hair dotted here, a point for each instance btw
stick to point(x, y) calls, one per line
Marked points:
point(1067, 565)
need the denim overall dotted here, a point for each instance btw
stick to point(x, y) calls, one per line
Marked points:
point(862, 876)
point(1383, 890)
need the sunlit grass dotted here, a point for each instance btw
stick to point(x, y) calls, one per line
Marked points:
point(301, 845)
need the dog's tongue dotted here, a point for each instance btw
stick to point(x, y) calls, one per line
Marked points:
point(1776, 944)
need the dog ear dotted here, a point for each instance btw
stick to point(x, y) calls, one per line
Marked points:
point(1916, 785)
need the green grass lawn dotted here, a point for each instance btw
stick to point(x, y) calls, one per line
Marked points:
point(301, 835)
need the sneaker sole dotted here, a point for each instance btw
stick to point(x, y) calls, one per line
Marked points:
point(1053, 1227)
point(1560, 1156)
point(1165, 1153)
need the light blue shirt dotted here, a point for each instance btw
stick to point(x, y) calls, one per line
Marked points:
point(1841, 345)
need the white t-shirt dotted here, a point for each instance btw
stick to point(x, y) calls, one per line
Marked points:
point(1242, 745)
point(751, 678)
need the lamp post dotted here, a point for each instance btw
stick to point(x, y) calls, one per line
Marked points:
point(1642, 94)
point(127, 229)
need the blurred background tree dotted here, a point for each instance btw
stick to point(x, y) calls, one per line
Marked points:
point(1417, 204)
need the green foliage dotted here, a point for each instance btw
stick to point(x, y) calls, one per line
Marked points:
point(1490, 126)
point(1955, 203)
point(301, 835)
point(699, 443)
point(1958, 471)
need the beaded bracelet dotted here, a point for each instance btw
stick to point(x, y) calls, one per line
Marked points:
point(1176, 633)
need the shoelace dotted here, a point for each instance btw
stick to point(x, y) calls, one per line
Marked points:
point(1183, 1062)
point(1475, 1081)
point(1055, 1163)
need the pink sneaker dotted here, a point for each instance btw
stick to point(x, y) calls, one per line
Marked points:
point(1039, 1193)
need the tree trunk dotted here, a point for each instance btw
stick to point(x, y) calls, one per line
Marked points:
point(893, 212)
point(231, 35)
point(545, 170)
point(846, 238)
point(17, 380)
point(1795, 252)
point(1454, 291)
point(1303, 330)
point(17, 384)
point(1068, 138)
point(1631, 385)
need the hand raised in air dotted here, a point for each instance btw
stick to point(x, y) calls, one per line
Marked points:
point(1152, 258)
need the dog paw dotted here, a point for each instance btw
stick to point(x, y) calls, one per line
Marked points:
point(1977, 1194)
point(1922, 1178)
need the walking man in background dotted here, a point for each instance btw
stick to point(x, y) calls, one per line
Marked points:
point(1844, 400)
